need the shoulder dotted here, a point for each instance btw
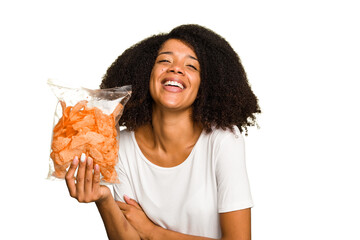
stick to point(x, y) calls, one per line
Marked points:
point(127, 148)
point(226, 146)
point(125, 140)
point(220, 137)
point(124, 134)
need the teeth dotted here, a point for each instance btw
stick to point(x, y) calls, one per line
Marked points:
point(174, 83)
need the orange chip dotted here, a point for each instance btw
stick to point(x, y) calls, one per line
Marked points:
point(60, 143)
point(86, 130)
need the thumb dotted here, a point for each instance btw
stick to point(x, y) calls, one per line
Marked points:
point(131, 202)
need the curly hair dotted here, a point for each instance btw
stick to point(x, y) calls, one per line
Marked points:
point(224, 98)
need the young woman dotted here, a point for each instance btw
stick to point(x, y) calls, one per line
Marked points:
point(181, 158)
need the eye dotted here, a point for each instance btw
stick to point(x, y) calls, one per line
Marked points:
point(192, 66)
point(163, 60)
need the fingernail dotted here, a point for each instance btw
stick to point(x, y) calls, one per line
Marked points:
point(76, 159)
point(82, 158)
point(89, 161)
point(96, 167)
point(126, 197)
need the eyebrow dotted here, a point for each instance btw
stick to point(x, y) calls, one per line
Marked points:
point(171, 53)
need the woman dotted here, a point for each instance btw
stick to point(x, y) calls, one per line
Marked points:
point(181, 159)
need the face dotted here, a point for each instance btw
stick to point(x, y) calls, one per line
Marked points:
point(175, 77)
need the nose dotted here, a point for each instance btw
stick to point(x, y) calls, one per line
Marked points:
point(175, 68)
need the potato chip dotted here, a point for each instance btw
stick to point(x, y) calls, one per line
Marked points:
point(87, 127)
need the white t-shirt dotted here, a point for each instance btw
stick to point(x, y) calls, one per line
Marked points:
point(187, 198)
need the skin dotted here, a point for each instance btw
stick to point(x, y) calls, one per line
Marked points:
point(167, 143)
point(172, 124)
point(85, 187)
point(234, 225)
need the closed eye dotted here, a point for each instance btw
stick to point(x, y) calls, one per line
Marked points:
point(163, 60)
point(192, 66)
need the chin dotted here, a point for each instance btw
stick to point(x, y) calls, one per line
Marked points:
point(172, 106)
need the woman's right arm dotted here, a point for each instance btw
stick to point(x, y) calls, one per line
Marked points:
point(85, 187)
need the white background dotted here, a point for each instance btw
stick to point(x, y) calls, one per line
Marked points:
point(302, 60)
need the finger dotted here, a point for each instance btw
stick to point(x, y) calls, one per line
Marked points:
point(70, 179)
point(80, 178)
point(96, 179)
point(123, 206)
point(88, 176)
point(131, 202)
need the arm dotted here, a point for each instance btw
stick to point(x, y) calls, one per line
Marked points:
point(235, 225)
point(116, 225)
point(162, 234)
point(145, 227)
point(86, 188)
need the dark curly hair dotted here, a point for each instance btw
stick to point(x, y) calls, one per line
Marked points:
point(224, 98)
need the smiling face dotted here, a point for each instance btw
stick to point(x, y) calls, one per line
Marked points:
point(175, 77)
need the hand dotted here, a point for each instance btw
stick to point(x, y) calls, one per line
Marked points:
point(137, 217)
point(86, 186)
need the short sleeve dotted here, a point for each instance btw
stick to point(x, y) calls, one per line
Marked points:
point(124, 187)
point(231, 175)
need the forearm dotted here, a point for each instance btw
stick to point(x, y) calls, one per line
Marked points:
point(116, 225)
point(164, 234)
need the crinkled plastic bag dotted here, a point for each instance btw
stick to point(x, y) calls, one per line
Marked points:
point(86, 121)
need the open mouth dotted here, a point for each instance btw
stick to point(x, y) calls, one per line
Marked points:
point(173, 83)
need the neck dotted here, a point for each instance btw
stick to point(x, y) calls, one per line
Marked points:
point(172, 131)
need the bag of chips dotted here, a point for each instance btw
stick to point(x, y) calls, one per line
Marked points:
point(86, 121)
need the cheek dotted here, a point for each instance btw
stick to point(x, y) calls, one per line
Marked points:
point(154, 82)
point(151, 83)
point(195, 86)
point(198, 86)
point(197, 81)
point(156, 74)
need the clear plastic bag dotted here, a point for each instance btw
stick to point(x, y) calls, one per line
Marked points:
point(86, 121)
